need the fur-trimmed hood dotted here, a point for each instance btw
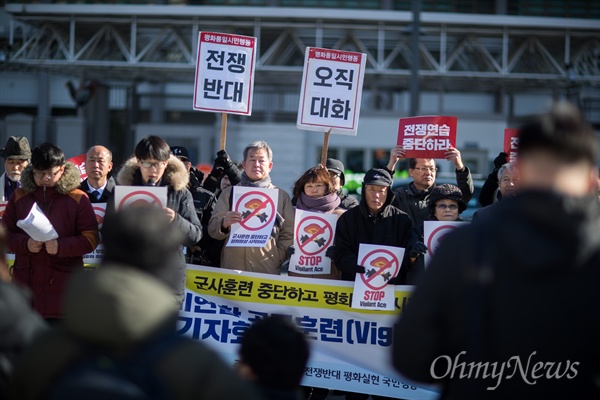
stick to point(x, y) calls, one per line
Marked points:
point(175, 175)
point(70, 180)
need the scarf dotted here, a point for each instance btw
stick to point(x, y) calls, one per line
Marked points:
point(264, 183)
point(325, 204)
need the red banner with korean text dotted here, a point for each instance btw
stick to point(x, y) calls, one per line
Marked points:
point(427, 136)
point(79, 162)
point(511, 144)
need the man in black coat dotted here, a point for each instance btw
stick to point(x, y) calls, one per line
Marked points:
point(507, 307)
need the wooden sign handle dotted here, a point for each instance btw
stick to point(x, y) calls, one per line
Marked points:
point(223, 131)
point(325, 147)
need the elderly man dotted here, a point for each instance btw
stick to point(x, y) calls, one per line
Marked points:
point(98, 185)
point(16, 156)
point(508, 183)
point(413, 199)
point(374, 221)
point(519, 303)
point(257, 164)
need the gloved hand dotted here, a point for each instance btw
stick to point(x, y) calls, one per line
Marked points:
point(290, 250)
point(198, 174)
point(359, 269)
point(196, 178)
point(416, 249)
point(500, 160)
point(223, 160)
point(330, 252)
point(217, 172)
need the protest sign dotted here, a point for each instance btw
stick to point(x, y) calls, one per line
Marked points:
point(427, 137)
point(127, 196)
point(224, 73)
point(331, 91)
point(258, 208)
point(313, 235)
point(511, 144)
point(95, 257)
point(350, 349)
point(371, 289)
point(434, 232)
point(79, 162)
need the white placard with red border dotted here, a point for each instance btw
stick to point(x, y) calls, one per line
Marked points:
point(259, 212)
point(371, 289)
point(313, 235)
point(427, 136)
point(95, 257)
point(224, 73)
point(331, 91)
point(79, 162)
point(128, 196)
point(511, 144)
point(10, 257)
point(434, 232)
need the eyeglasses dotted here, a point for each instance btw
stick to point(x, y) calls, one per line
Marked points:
point(425, 169)
point(43, 174)
point(156, 165)
point(451, 207)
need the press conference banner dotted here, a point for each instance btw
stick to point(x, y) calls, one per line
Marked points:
point(350, 349)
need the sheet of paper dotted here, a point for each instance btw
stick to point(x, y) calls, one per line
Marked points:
point(37, 225)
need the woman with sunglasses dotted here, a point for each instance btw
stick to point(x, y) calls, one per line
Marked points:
point(445, 203)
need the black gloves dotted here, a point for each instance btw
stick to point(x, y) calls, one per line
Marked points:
point(196, 178)
point(223, 160)
point(290, 250)
point(416, 249)
point(500, 160)
point(330, 252)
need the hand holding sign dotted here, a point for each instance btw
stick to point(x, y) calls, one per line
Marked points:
point(452, 154)
point(231, 217)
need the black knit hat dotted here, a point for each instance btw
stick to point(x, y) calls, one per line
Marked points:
point(17, 148)
point(336, 165)
point(379, 177)
point(446, 191)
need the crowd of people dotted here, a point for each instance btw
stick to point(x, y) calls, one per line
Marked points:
point(539, 229)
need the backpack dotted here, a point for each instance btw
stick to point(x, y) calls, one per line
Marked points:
point(96, 374)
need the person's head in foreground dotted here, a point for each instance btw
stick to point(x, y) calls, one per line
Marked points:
point(274, 354)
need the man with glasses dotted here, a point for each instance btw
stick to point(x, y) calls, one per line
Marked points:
point(45, 267)
point(413, 199)
point(98, 185)
point(153, 164)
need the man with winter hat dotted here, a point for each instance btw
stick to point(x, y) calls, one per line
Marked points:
point(374, 221)
point(336, 173)
point(16, 156)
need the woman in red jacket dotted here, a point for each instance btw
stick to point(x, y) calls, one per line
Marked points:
point(45, 267)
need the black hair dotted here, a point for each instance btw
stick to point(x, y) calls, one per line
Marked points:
point(563, 131)
point(276, 351)
point(152, 148)
point(142, 237)
point(47, 156)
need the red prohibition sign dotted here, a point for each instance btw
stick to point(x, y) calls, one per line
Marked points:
point(142, 199)
point(434, 235)
point(390, 263)
point(323, 227)
point(268, 202)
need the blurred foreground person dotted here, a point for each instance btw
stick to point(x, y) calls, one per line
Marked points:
point(507, 307)
point(118, 339)
point(19, 324)
point(273, 354)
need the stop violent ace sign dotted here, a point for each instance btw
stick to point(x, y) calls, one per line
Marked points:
point(332, 84)
point(224, 73)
